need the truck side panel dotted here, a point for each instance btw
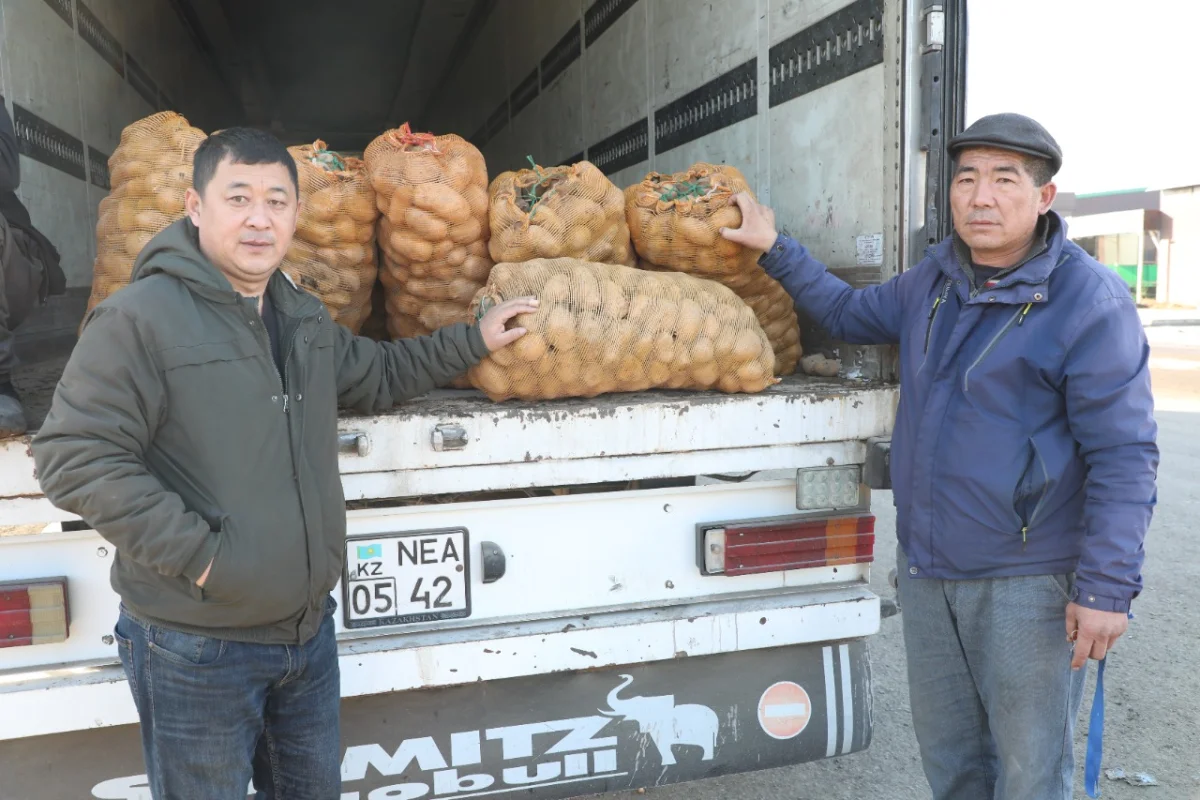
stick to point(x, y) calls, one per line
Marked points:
point(802, 97)
point(73, 74)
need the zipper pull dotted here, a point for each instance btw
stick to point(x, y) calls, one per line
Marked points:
point(1024, 311)
point(937, 301)
point(1024, 536)
point(941, 298)
point(285, 404)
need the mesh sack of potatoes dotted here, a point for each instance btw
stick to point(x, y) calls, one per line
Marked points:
point(675, 223)
point(433, 230)
point(608, 328)
point(561, 212)
point(150, 173)
point(333, 252)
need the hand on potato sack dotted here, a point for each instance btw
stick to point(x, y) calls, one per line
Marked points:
point(494, 323)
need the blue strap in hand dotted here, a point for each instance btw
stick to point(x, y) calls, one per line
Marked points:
point(1095, 740)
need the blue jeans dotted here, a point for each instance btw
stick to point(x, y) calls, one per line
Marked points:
point(216, 714)
point(994, 699)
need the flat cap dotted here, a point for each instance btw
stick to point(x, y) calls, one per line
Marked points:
point(1010, 132)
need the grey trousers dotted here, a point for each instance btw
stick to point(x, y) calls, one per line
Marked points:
point(21, 280)
point(994, 699)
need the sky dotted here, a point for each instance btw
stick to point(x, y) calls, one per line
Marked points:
point(1115, 82)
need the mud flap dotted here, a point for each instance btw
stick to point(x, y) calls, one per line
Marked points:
point(550, 736)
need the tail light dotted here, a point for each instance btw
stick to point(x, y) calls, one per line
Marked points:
point(772, 545)
point(34, 612)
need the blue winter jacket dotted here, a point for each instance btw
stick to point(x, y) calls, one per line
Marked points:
point(1025, 437)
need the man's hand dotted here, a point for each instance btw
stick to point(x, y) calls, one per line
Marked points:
point(758, 224)
point(492, 326)
point(1093, 632)
point(200, 581)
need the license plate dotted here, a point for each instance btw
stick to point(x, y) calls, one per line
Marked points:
point(406, 578)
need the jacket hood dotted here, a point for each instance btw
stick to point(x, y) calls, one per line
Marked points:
point(175, 251)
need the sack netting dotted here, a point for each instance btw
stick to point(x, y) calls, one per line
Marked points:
point(608, 328)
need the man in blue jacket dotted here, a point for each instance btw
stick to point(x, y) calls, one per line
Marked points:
point(1023, 460)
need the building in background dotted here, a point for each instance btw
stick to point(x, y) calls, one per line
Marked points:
point(1151, 238)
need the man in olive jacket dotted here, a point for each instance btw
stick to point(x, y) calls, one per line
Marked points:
point(195, 428)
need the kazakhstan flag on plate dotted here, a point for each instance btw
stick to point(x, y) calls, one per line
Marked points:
point(366, 551)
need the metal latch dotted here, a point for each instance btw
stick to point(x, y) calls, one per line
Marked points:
point(354, 444)
point(935, 29)
point(449, 436)
point(877, 472)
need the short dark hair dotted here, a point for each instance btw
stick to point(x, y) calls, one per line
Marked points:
point(242, 146)
point(1040, 170)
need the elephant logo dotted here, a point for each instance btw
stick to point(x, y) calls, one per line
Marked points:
point(666, 723)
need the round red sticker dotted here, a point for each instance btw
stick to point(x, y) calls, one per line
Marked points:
point(784, 710)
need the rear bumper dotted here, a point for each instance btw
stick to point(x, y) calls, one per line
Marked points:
point(545, 736)
point(41, 702)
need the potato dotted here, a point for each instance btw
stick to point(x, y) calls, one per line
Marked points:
point(442, 201)
point(690, 320)
point(466, 232)
point(425, 224)
point(706, 373)
point(531, 347)
point(703, 351)
point(543, 242)
point(631, 374)
point(410, 246)
point(699, 232)
point(489, 377)
point(579, 238)
point(525, 385)
point(560, 329)
point(729, 384)
point(477, 199)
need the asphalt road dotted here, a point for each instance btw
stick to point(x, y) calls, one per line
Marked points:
point(1153, 679)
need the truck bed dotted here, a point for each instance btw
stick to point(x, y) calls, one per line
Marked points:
point(800, 422)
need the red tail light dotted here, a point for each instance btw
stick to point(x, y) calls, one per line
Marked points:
point(34, 612)
point(787, 543)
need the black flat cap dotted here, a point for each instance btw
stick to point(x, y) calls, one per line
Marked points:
point(1010, 132)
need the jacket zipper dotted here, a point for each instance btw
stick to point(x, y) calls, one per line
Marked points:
point(1037, 507)
point(937, 303)
point(1017, 318)
point(283, 376)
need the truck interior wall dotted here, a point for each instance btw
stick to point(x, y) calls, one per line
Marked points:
point(632, 85)
point(73, 74)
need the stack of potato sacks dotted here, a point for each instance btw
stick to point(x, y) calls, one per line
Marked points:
point(560, 234)
point(675, 221)
point(150, 173)
point(333, 252)
point(433, 231)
